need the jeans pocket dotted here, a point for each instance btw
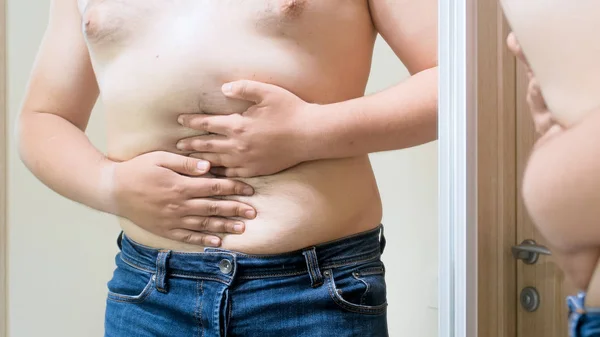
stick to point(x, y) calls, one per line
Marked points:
point(359, 289)
point(130, 284)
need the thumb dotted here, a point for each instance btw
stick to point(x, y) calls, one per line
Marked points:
point(515, 47)
point(183, 164)
point(247, 90)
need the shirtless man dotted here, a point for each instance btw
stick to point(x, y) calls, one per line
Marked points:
point(184, 265)
point(561, 189)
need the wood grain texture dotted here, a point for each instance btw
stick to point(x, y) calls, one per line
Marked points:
point(496, 175)
point(550, 320)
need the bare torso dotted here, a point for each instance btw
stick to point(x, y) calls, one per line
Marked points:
point(156, 59)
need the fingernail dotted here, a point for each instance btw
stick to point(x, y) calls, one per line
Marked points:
point(180, 146)
point(250, 214)
point(215, 241)
point(248, 191)
point(238, 228)
point(180, 120)
point(202, 165)
point(226, 88)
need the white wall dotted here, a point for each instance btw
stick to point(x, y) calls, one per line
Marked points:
point(61, 254)
point(407, 181)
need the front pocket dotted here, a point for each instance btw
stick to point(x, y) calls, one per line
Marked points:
point(130, 284)
point(361, 290)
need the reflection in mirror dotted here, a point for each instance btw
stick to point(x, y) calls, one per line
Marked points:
point(537, 164)
point(232, 177)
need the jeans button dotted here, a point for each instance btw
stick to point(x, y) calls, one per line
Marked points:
point(225, 266)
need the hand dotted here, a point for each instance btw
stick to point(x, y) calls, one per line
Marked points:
point(164, 194)
point(545, 124)
point(267, 138)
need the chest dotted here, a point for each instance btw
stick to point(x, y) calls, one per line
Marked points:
point(106, 21)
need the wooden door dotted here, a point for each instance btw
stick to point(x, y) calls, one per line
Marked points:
point(505, 138)
point(544, 276)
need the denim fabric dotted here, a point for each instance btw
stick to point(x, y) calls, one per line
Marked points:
point(333, 289)
point(583, 322)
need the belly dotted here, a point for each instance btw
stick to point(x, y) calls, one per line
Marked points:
point(178, 66)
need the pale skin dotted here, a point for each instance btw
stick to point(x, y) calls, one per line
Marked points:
point(308, 169)
point(560, 189)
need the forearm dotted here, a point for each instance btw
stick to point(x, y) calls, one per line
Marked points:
point(61, 156)
point(561, 186)
point(400, 117)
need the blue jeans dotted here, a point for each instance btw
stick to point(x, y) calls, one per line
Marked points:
point(583, 322)
point(333, 289)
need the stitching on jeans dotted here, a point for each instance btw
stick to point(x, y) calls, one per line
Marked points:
point(230, 304)
point(374, 310)
point(197, 306)
point(371, 271)
point(259, 276)
point(196, 277)
point(309, 267)
point(337, 265)
point(134, 299)
point(199, 301)
point(134, 265)
point(201, 304)
point(159, 271)
point(357, 257)
point(357, 275)
point(317, 272)
point(252, 276)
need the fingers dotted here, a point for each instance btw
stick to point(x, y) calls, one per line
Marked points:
point(248, 90)
point(216, 159)
point(207, 187)
point(205, 143)
point(535, 99)
point(223, 208)
point(227, 171)
point(182, 164)
point(207, 123)
point(212, 225)
point(515, 48)
point(195, 238)
point(542, 118)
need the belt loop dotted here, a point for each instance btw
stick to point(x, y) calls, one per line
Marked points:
point(381, 241)
point(312, 264)
point(161, 270)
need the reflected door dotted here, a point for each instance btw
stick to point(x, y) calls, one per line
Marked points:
point(521, 292)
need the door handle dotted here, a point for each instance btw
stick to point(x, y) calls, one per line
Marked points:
point(529, 251)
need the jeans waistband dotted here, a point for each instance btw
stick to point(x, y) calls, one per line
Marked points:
point(583, 321)
point(224, 265)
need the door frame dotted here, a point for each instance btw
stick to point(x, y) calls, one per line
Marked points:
point(3, 177)
point(477, 171)
point(457, 132)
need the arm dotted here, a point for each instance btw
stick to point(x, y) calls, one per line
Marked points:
point(272, 135)
point(561, 185)
point(60, 96)
point(161, 192)
point(402, 116)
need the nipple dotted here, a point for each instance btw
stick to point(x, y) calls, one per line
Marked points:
point(293, 8)
point(92, 24)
